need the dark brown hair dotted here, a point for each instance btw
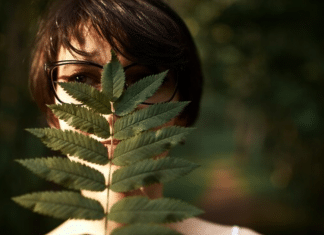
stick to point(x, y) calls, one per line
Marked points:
point(148, 32)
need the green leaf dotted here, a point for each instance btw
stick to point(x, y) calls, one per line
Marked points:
point(145, 119)
point(148, 144)
point(88, 95)
point(113, 78)
point(73, 143)
point(144, 229)
point(62, 205)
point(138, 93)
point(143, 210)
point(82, 118)
point(66, 173)
point(148, 172)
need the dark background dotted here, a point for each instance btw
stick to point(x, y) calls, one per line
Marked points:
point(259, 139)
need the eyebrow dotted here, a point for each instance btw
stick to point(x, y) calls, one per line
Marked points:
point(90, 55)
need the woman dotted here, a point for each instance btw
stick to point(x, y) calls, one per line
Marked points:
point(148, 37)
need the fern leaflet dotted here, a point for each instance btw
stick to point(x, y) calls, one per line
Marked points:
point(113, 79)
point(82, 119)
point(66, 173)
point(145, 119)
point(138, 93)
point(148, 144)
point(72, 143)
point(62, 205)
point(138, 209)
point(88, 95)
point(148, 172)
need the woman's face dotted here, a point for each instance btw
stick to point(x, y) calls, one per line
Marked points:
point(99, 50)
point(100, 53)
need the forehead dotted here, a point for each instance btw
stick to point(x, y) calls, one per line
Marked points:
point(97, 48)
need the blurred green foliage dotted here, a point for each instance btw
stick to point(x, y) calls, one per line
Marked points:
point(260, 134)
point(262, 117)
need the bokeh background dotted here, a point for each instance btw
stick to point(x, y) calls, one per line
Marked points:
point(259, 139)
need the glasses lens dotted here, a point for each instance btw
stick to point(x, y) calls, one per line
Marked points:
point(165, 91)
point(91, 75)
point(80, 73)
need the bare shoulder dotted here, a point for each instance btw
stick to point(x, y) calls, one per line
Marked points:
point(197, 226)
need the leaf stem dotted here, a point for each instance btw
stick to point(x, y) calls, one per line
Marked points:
point(109, 170)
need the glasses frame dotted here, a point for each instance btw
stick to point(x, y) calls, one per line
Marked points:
point(48, 68)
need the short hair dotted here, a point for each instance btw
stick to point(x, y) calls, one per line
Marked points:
point(148, 32)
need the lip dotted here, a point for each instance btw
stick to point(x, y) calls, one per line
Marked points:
point(108, 142)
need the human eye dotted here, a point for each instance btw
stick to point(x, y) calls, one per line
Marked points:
point(81, 78)
point(80, 74)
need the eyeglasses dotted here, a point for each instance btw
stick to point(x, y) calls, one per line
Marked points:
point(90, 73)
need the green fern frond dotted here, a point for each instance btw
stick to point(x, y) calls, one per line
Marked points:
point(62, 205)
point(145, 119)
point(66, 173)
point(148, 172)
point(88, 95)
point(73, 143)
point(82, 118)
point(144, 229)
point(113, 79)
point(138, 144)
point(148, 144)
point(138, 93)
point(138, 209)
